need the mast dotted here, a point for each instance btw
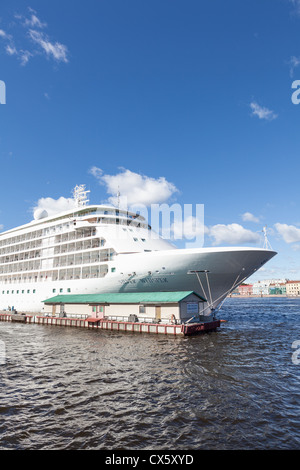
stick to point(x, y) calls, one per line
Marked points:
point(80, 195)
point(267, 245)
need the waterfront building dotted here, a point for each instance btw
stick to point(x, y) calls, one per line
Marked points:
point(263, 287)
point(165, 307)
point(274, 290)
point(283, 288)
point(277, 289)
point(293, 288)
point(260, 288)
point(245, 289)
point(266, 286)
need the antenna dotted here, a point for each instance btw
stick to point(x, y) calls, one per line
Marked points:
point(80, 195)
point(118, 196)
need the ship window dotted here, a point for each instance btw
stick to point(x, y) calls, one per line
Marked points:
point(22, 291)
point(53, 290)
point(60, 290)
point(33, 291)
point(28, 291)
point(7, 292)
point(142, 309)
point(95, 271)
point(68, 290)
point(86, 272)
point(113, 270)
point(17, 291)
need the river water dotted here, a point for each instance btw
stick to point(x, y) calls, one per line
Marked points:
point(237, 388)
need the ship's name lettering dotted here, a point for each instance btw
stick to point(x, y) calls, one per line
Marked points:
point(123, 281)
point(154, 280)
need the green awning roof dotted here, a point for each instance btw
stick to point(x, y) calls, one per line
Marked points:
point(122, 298)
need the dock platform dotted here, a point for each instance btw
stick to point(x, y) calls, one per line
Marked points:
point(185, 329)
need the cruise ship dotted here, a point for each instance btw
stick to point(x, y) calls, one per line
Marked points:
point(92, 249)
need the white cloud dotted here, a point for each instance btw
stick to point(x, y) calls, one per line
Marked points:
point(296, 4)
point(11, 50)
point(135, 188)
point(232, 234)
point(24, 56)
point(58, 51)
point(289, 233)
point(95, 171)
point(34, 36)
point(248, 217)
point(3, 34)
point(33, 21)
point(53, 206)
point(261, 112)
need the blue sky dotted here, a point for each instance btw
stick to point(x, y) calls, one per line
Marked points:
point(175, 101)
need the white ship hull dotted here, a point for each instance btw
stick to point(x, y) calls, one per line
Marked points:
point(211, 272)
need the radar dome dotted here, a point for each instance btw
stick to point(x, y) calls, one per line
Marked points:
point(40, 214)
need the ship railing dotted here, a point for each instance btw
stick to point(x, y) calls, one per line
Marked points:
point(140, 319)
point(119, 318)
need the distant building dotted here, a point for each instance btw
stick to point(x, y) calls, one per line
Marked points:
point(277, 289)
point(245, 289)
point(261, 288)
point(293, 288)
point(283, 288)
point(273, 289)
point(235, 292)
point(268, 286)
